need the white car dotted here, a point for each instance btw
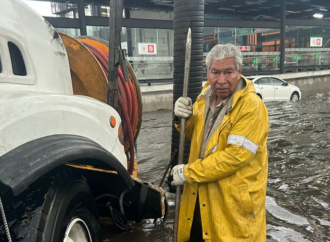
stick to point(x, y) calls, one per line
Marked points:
point(271, 88)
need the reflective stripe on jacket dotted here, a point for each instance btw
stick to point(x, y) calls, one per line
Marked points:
point(231, 180)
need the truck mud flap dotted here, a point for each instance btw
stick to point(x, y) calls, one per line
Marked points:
point(151, 202)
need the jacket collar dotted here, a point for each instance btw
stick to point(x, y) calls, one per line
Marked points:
point(248, 88)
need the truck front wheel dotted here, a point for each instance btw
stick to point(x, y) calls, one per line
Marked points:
point(69, 212)
point(59, 207)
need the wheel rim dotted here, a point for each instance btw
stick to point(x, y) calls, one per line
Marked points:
point(77, 231)
point(295, 97)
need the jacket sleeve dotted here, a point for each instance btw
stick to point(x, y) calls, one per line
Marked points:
point(189, 127)
point(249, 132)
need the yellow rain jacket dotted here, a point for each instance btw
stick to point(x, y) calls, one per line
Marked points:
point(231, 179)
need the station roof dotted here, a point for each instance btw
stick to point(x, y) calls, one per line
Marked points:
point(250, 10)
point(262, 10)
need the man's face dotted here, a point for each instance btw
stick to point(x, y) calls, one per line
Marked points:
point(223, 77)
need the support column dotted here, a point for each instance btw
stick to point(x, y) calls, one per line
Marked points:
point(129, 34)
point(116, 11)
point(82, 17)
point(282, 46)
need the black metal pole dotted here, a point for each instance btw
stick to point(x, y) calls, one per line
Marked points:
point(82, 17)
point(282, 46)
point(129, 34)
point(116, 11)
point(182, 132)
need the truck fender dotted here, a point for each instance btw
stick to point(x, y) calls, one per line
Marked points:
point(20, 167)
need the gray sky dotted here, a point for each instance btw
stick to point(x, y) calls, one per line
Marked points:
point(43, 8)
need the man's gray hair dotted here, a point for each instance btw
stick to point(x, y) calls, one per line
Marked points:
point(220, 52)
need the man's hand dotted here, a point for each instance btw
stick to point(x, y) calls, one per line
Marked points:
point(178, 175)
point(183, 107)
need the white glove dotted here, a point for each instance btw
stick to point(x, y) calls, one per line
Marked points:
point(183, 107)
point(178, 175)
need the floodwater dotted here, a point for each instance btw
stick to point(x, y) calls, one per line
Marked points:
point(298, 194)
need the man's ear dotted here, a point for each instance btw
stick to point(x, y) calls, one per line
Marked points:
point(207, 73)
point(240, 71)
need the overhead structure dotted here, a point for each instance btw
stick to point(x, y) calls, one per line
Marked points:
point(252, 16)
point(247, 9)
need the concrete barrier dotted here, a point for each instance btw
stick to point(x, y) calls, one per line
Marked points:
point(311, 83)
point(157, 97)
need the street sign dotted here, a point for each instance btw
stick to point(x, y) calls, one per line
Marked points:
point(243, 31)
point(226, 34)
point(147, 49)
point(316, 41)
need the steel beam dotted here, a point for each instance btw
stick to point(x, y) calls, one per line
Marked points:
point(132, 23)
point(116, 12)
point(282, 46)
point(63, 22)
point(240, 23)
point(168, 24)
point(82, 17)
point(307, 22)
point(129, 34)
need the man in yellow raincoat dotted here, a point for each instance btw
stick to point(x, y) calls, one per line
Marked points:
point(225, 179)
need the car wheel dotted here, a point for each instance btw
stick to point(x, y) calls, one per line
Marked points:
point(294, 97)
point(259, 96)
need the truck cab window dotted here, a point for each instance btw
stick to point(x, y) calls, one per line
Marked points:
point(17, 61)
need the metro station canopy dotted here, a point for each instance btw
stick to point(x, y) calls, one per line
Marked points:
point(257, 26)
point(247, 10)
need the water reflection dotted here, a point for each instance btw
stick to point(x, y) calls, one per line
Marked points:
point(298, 197)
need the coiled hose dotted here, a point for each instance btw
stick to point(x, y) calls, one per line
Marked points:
point(127, 108)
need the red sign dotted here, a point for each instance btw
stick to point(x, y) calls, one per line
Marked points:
point(316, 41)
point(151, 49)
point(147, 49)
point(244, 48)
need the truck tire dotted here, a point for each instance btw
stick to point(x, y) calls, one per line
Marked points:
point(68, 212)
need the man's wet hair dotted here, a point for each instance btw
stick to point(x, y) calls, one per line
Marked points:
point(220, 52)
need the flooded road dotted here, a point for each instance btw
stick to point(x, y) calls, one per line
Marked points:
point(298, 194)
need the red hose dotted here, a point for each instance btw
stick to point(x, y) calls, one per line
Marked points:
point(129, 97)
point(127, 107)
point(134, 104)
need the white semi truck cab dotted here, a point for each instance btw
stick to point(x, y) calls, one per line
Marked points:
point(62, 158)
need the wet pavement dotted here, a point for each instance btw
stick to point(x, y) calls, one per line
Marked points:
point(298, 194)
